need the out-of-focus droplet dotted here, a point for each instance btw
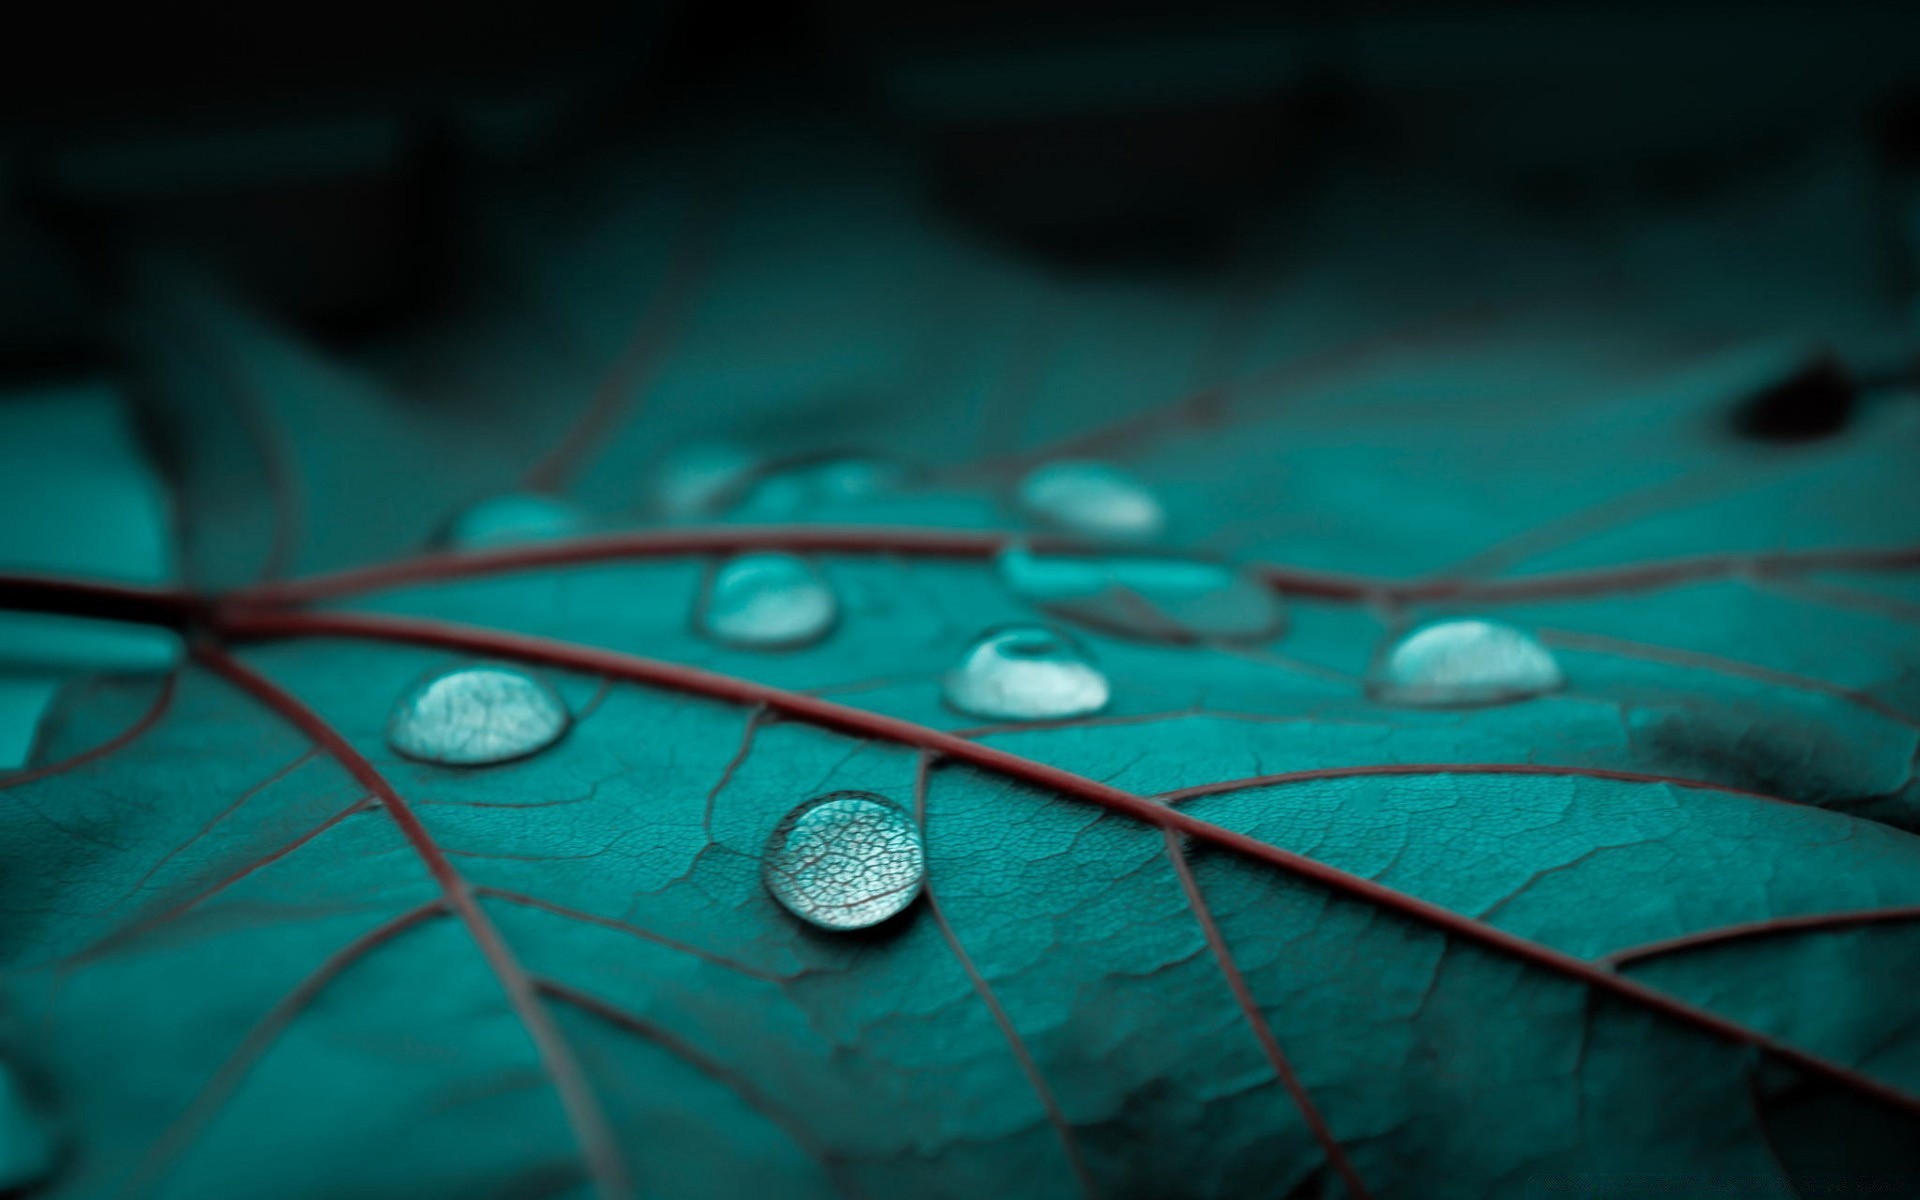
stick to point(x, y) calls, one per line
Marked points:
point(846, 860)
point(1027, 673)
point(1464, 663)
point(1093, 500)
point(29, 1146)
point(802, 488)
point(514, 517)
point(767, 601)
point(1817, 399)
point(476, 715)
point(1159, 598)
point(699, 480)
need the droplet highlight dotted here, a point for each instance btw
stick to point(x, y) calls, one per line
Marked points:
point(513, 518)
point(846, 860)
point(1027, 673)
point(1156, 598)
point(1458, 663)
point(477, 716)
point(699, 480)
point(768, 601)
point(1092, 499)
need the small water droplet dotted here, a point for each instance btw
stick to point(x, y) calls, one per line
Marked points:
point(1093, 500)
point(514, 517)
point(846, 860)
point(1465, 663)
point(698, 480)
point(767, 601)
point(800, 488)
point(1027, 673)
point(476, 715)
point(1145, 596)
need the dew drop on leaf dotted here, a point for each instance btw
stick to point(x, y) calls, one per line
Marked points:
point(767, 601)
point(846, 860)
point(698, 480)
point(1093, 500)
point(510, 518)
point(801, 488)
point(1466, 662)
point(1027, 673)
point(476, 715)
point(1160, 598)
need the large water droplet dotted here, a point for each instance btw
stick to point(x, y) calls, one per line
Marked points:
point(1466, 662)
point(1147, 596)
point(767, 601)
point(477, 715)
point(800, 488)
point(1027, 673)
point(514, 517)
point(846, 860)
point(1093, 500)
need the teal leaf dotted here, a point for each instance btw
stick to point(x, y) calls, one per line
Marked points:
point(1244, 930)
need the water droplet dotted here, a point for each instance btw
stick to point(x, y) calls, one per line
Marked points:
point(1027, 673)
point(1153, 597)
point(767, 601)
point(800, 488)
point(1466, 662)
point(846, 860)
point(698, 480)
point(1093, 500)
point(514, 517)
point(471, 716)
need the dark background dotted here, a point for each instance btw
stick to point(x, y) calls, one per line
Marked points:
point(323, 158)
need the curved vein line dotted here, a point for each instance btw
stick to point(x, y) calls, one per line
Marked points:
point(827, 714)
point(631, 930)
point(121, 937)
point(214, 821)
point(1257, 1021)
point(441, 566)
point(719, 1072)
point(1701, 661)
point(1772, 927)
point(597, 1143)
point(982, 544)
point(260, 1039)
point(147, 720)
point(1009, 1032)
point(1316, 774)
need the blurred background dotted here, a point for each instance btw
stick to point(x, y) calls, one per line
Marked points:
point(1398, 288)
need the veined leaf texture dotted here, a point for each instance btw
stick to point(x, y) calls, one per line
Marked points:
point(778, 696)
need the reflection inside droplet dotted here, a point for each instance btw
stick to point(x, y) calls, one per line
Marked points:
point(847, 860)
point(477, 715)
point(1093, 500)
point(1027, 673)
point(514, 517)
point(766, 602)
point(1466, 662)
point(1146, 596)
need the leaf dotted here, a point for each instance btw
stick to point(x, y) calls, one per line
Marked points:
point(1247, 932)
